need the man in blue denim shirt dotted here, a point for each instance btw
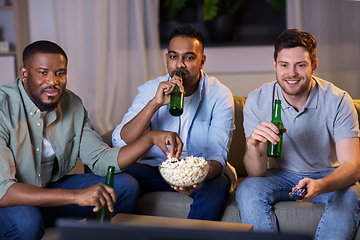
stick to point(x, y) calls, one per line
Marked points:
point(205, 127)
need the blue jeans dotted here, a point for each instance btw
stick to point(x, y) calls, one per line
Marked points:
point(256, 195)
point(27, 222)
point(208, 202)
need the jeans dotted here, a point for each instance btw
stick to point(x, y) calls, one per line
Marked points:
point(27, 222)
point(208, 202)
point(256, 195)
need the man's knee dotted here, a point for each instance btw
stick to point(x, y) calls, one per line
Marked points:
point(126, 185)
point(349, 196)
point(21, 222)
point(247, 188)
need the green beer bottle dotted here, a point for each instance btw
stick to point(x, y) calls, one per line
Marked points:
point(104, 215)
point(176, 99)
point(275, 150)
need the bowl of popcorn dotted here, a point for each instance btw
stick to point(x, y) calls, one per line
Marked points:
point(184, 172)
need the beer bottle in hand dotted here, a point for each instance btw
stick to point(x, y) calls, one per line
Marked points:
point(104, 215)
point(176, 99)
point(275, 150)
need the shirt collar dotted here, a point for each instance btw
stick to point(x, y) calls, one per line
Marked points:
point(313, 98)
point(30, 107)
point(201, 83)
point(311, 102)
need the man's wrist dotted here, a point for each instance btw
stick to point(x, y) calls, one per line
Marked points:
point(154, 105)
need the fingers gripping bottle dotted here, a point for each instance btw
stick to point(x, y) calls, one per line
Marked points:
point(176, 99)
point(104, 215)
point(275, 150)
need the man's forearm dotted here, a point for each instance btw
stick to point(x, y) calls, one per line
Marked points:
point(25, 194)
point(216, 169)
point(137, 126)
point(133, 151)
point(255, 164)
point(345, 175)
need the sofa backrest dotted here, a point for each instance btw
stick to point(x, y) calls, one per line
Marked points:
point(237, 147)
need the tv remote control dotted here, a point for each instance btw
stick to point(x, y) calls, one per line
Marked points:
point(298, 193)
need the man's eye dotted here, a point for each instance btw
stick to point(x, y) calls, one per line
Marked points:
point(190, 58)
point(42, 72)
point(172, 56)
point(59, 74)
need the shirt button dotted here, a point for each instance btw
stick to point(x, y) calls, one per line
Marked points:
point(37, 149)
point(175, 127)
point(38, 124)
point(39, 175)
point(31, 113)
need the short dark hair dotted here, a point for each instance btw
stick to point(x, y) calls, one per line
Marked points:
point(187, 30)
point(41, 46)
point(292, 38)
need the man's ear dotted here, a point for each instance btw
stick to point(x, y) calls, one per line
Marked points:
point(203, 61)
point(275, 64)
point(315, 65)
point(23, 74)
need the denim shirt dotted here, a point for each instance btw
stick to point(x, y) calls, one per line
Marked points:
point(211, 121)
point(69, 131)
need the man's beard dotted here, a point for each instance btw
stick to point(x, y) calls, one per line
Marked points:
point(48, 107)
point(297, 91)
point(43, 106)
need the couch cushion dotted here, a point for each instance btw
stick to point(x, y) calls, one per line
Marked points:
point(298, 217)
point(166, 204)
point(173, 204)
point(357, 106)
point(237, 147)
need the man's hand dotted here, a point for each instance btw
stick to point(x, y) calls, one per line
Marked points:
point(187, 190)
point(98, 196)
point(164, 138)
point(313, 188)
point(265, 131)
point(162, 96)
point(255, 159)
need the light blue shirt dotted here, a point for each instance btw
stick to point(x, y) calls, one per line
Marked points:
point(308, 147)
point(210, 123)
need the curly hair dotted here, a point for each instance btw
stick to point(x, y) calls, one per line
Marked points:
point(292, 38)
point(187, 30)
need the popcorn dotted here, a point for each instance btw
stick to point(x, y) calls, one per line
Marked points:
point(185, 172)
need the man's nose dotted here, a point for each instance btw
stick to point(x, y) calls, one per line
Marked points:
point(52, 79)
point(293, 72)
point(180, 63)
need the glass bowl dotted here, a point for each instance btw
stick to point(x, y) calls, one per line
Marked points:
point(185, 172)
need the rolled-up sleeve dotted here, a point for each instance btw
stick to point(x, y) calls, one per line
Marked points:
point(145, 93)
point(7, 165)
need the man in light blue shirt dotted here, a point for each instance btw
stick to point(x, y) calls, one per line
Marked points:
point(320, 145)
point(205, 127)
